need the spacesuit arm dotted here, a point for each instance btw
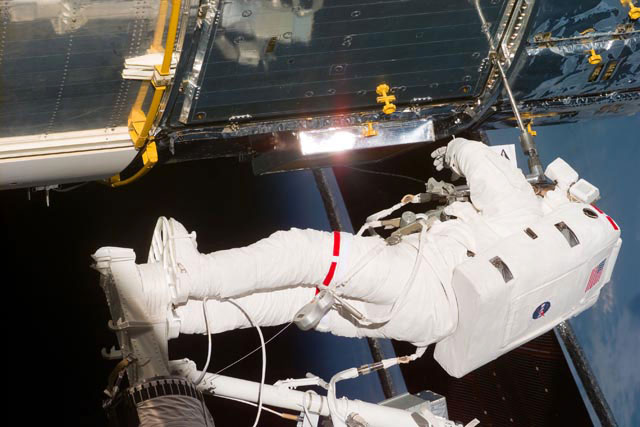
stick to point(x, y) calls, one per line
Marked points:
point(496, 186)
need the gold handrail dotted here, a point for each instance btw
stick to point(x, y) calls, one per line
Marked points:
point(171, 37)
point(139, 122)
point(156, 44)
point(149, 159)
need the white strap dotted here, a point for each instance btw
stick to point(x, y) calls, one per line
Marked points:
point(372, 220)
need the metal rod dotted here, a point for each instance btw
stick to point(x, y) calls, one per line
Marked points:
point(496, 60)
point(526, 139)
point(463, 190)
point(283, 397)
point(602, 409)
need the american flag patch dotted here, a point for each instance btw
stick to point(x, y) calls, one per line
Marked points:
point(596, 273)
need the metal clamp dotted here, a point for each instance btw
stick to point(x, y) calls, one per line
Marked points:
point(310, 314)
point(396, 236)
point(112, 354)
point(294, 383)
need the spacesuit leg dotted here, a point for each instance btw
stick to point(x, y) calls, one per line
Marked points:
point(273, 278)
point(299, 258)
point(265, 309)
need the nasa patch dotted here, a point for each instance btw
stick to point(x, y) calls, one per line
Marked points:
point(541, 310)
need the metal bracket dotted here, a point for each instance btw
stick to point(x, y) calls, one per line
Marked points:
point(124, 325)
point(46, 189)
point(294, 383)
point(112, 354)
point(396, 236)
point(146, 67)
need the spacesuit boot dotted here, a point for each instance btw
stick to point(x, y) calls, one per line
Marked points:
point(187, 267)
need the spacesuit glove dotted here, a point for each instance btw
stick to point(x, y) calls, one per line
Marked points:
point(438, 158)
point(445, 156)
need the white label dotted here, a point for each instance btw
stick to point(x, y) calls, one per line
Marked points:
point(508, 151)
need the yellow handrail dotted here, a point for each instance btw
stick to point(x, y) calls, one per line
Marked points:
point(149, 159)
point(156, 44)
point(171, 37)
point(139, 122)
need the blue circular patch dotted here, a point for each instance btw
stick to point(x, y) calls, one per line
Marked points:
point(541, 310)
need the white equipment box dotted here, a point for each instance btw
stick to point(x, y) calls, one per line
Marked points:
point(528, 283)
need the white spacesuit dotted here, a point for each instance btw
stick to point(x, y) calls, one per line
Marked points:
point(273, 278)
point(405, 291)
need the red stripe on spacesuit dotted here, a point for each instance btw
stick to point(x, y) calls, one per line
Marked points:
point(613, 223)
point(336, 243)
point(330, 274)
point(615, 226)
point(334, 264)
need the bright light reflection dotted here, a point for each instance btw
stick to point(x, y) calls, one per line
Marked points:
point(324, 142)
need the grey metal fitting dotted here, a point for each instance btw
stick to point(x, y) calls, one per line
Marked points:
point(310, 314)
point(529, 148)
point(407, 218)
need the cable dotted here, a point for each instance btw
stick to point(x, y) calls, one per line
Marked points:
point(304, 405)
point(394, 175)
point(115, 374)
point(206, 365)
point(254, 350)
point(331, 393)
point(409, 282)
point(355, 373)
point(206, 324)
point(369, 256)
point(264, 359)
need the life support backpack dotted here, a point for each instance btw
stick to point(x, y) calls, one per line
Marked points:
point(528, 283)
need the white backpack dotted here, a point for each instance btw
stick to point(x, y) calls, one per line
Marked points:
point(528, 283)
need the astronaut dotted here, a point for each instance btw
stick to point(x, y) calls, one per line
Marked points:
point(273, 278)
point(401, 291)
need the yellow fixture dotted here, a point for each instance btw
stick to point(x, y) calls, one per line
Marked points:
point(369, 130)
point(594, 58)
point(388, 107)
point(634, 11)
